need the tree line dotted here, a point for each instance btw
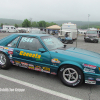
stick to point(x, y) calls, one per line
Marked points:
point(28, 23)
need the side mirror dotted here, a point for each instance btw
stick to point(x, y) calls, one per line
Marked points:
point(41, 50)
point(64, 46)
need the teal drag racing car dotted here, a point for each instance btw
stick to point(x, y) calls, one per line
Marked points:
point(45, 53)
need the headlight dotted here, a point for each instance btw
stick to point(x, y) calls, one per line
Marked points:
point(89, 66)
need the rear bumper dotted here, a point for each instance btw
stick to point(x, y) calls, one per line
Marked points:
point(92, 78)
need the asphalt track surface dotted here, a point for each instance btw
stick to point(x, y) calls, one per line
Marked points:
point(21, 84)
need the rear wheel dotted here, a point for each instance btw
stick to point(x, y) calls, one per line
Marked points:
point(4, 61)
point(71, 75)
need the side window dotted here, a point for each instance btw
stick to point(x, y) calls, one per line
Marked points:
point(29, 43)
point(13, 43)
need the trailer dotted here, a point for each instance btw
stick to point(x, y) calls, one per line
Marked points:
point(69, 27)
point(9, 28)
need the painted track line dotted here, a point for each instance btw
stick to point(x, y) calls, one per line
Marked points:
point(55, 93)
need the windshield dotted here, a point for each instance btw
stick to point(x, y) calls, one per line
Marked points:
point(51, 42)
point(91, 32)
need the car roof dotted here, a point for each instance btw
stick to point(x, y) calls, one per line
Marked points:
point(31, 34)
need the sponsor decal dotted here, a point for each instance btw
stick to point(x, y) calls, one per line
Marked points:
point(99, 68)
point(12, 61)
point(22, 53)
point(31, 66)
point(46, 69)
point(1, 47)
point(6, 48)
point(17, 63)
point(89, 66)
point(10, 52)
point(90, 78)
point(38, 59)
point(11, 49)
point(38, 68)
point(90, 81)
point(89, 70)
point(24, 64)
point(53, 73)
point(55, 60)
point(97, 79)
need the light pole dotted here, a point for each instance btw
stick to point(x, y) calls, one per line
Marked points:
point(88, 20)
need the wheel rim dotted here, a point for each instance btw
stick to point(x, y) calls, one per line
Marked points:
point(2, 59)
point(70, 75)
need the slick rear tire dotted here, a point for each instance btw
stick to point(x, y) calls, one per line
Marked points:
point(4, 61)
point(71, 76)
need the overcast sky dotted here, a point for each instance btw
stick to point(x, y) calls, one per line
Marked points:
point(50, 10)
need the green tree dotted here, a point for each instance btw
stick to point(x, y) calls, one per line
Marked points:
point(52, 23)
point(1, 24)
point(42, 24)
point(16, 25)
point(26, 23)
point(34, 24)
point(47, 24)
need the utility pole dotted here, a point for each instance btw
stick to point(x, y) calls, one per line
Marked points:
point(88, 20)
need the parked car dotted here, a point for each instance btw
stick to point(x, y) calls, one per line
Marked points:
point(92, 36)
point(45, 53)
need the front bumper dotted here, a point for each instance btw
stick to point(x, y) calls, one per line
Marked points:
point(92, 78)
point(91, 39)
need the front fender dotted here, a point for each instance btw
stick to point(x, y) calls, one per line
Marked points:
point(71, 63)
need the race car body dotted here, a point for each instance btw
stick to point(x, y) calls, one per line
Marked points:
point(45, 53)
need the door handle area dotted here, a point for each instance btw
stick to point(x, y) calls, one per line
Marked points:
point(17, 51)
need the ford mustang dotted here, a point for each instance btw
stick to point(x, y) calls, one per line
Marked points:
point(45, 53)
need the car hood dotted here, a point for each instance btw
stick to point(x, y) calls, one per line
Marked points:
point(80, 55)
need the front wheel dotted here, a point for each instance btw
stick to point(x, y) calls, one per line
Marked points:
point(4, 61)
point(71, 75)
